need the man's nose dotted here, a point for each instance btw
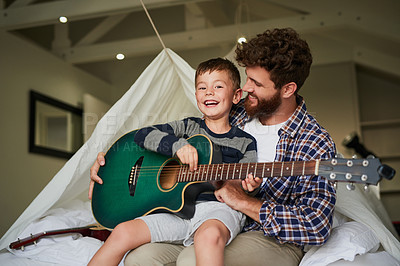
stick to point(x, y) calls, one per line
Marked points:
point(247, 87)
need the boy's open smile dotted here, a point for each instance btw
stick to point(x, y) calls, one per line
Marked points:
point(211, 103)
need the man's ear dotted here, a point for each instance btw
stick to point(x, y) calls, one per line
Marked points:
point(237, 95)
point(289, 89)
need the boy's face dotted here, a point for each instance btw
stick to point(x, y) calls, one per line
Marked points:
point(215, 94)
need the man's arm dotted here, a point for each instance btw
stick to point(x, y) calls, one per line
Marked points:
point(306, 222)
point(235, 197)
point(306, 218)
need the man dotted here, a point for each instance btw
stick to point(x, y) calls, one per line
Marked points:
point(287, 213)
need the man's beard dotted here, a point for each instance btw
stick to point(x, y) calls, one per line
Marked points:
point(264, 108)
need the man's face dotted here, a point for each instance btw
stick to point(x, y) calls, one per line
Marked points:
point(263, 99)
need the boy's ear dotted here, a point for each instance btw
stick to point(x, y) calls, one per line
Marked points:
point(237, 95)
point(289, 89)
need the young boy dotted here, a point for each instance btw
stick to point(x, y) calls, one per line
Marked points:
point(214, 224)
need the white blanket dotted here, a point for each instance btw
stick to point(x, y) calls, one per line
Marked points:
point(350, 241)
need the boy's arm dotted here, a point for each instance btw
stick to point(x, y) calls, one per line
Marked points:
point(165, 139)
point(168, 139)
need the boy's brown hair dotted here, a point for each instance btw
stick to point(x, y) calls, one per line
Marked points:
point(220, 64)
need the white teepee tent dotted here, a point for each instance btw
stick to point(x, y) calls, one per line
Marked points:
point(163, 92)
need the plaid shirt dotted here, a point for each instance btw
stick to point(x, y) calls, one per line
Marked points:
point(296, 209)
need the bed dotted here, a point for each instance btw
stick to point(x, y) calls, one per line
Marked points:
point(354, 240)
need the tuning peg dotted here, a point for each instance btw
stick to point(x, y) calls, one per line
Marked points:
point(350, 186)
point(366, 188)
point(364, 178)
point(354, 156)
point(335, 185)
point(34, 242)
point(348, 176)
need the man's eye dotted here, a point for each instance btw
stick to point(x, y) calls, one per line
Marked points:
point(258, 84)
point(255, 82)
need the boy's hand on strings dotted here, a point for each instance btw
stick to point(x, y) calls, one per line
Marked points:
point(188, 155)
point(250, 183)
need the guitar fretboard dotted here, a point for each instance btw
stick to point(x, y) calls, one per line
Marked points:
point(216, 172)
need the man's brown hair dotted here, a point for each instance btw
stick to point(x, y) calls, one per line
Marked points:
point(281, 52)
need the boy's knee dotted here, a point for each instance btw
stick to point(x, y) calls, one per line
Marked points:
point(120, 228)
point(212, 235)
point(120, 232)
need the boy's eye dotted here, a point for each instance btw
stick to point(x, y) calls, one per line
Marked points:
point(218, 87)
point(201, 88)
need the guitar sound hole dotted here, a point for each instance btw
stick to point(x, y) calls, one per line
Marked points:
point(169, 174)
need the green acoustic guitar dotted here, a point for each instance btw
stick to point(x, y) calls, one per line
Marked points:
point(138, 182)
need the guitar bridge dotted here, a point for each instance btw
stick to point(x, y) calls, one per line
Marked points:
point(133, 176)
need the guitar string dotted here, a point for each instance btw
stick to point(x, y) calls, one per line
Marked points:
point(296, 165)
point(252, 165)
point(172, 169)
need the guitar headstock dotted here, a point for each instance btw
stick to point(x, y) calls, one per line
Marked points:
point(365, 171)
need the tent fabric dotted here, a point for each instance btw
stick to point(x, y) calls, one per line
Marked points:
point(156, 97)
point(165, 92)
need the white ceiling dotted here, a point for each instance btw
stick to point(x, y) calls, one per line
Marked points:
point(364, 31)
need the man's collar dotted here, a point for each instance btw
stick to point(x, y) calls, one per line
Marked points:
point(292, 125)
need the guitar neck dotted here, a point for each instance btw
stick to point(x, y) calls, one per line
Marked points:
point(217, 172)
point(91, 230)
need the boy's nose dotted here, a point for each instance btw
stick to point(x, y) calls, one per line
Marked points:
point(209, 91)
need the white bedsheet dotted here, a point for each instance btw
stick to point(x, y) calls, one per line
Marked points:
point(67, 249)
point(351, 242)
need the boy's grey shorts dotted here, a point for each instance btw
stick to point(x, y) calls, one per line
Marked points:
point(166, 227)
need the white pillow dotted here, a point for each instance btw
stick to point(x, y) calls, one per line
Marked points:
point(346, 241)
point(369, 259)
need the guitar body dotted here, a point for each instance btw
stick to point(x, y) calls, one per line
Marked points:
point(129, 192)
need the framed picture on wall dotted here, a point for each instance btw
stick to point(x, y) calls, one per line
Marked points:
point(55, 127)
